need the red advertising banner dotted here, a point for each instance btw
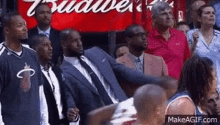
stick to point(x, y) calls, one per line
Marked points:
point(92, 15)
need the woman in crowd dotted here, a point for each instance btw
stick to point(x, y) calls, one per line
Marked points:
point(205, 40)
point(197, 82)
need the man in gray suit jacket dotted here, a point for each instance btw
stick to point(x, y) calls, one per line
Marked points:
point(92, 76)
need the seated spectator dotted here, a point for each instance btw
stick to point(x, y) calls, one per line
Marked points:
point(182, 26)
point(136, 59)
point(205, 40)
point(197, 81)
point(169, 43)
point(210, 104)
point(121, 50)
point(92, 76)
point(53, 82)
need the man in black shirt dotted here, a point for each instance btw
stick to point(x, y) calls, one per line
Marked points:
point(22, 99)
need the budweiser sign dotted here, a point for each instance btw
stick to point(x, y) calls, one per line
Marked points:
point(88, 15)
point(85, 6)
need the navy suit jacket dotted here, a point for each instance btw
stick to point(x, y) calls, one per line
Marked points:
point(55, 41)
point(81, 93)
point(51, 102)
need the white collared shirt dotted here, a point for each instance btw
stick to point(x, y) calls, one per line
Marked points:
point(212, 51)
point(75, 62)
point(54, 84)
point(46, 32)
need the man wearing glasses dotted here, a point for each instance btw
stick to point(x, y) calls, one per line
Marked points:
point(136, 59)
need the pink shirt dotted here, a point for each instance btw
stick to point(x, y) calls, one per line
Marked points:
point(175, 51)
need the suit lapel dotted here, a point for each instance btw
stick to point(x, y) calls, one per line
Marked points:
point(35, 31)
point(147, 64)
point(99, 61)
point(78, 75)
point(51, 35)
point(58, 73)
point(59, 78)
point(128, 62)
point(47, 85)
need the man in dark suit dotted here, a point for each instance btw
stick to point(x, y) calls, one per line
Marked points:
point(92, 76)
point(53, 82)
point(43, 16)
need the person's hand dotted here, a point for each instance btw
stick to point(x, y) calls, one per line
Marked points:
point(195, 37)
point(195, 40)
point(72, 114)
point(169, 84)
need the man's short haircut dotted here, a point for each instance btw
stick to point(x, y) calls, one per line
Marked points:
point(6, 18)
point(146, 100)
point(119, 46)
point(158, 7)
point(37, 7)
point(129, 30)
point(181, 23)
point(36, 39)
point(64, 35)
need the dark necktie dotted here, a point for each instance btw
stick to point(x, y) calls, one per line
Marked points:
point(101, 90)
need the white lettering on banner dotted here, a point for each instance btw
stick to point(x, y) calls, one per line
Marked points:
point(86, 6)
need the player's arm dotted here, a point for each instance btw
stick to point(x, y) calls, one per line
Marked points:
point(182, 106)
point(98, 116)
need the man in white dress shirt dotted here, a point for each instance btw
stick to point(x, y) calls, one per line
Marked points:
point(53, 82)
point(92, 75)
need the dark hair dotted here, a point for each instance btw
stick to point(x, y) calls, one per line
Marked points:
point(200, 10)
point(64, 35)
point(181, 23)
point(196, 76)
point(36, 39)
point(129, 30)
point(6, 18)
point(37, 7)
point(119, 46)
